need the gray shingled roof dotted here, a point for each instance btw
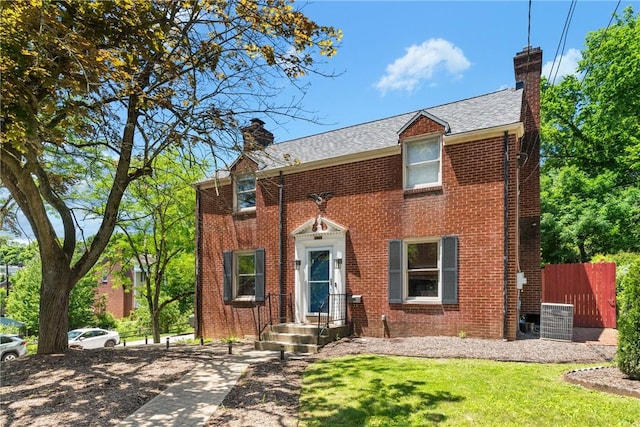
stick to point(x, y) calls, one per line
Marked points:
point(481, 112)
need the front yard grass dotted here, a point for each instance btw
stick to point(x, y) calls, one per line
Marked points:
point(403, 391)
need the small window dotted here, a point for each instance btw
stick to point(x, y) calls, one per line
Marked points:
point(422, 163)
point(245, 192)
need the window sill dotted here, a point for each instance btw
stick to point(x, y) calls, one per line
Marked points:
point(243, 302)
point(245, 213)
point(421, 302)
point(436, 189)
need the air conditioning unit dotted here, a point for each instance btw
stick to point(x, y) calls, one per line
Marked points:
point(556, 321)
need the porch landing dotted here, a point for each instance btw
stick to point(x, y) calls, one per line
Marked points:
point(300, 338)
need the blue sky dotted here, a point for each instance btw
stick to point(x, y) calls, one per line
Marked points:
point(400, 56)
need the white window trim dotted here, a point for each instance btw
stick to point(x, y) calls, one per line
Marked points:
point(405, 270)
point(236, 276)
point(235, 192)
point(405, 164)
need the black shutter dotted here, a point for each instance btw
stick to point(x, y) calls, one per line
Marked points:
point(395, 271)
point(227, 267)
point(450, 270)
point(260, 274)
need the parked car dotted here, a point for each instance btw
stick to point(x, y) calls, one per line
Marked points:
point(88, 338)
point(11, 347)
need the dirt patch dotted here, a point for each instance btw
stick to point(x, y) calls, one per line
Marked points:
point(268, 395)
point(90, 387)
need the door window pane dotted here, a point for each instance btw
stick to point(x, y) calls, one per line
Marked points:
point(319, 278)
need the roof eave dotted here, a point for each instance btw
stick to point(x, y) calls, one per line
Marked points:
point(492, 132)
point(334, 161)
point(213, 182)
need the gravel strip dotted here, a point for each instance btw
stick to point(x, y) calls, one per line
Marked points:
point(524, 350)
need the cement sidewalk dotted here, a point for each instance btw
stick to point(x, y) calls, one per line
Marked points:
point(193, 399)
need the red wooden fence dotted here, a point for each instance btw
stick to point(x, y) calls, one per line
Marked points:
point(591, 288)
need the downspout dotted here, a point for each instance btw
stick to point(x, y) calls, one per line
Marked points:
point(198, 290)
point(517, 225)
point(282, 289)
point(506, 238)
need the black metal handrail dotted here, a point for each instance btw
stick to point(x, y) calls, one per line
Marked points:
point(333, 309)
point(283, 312)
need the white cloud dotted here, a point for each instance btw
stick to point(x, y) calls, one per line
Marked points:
point(568, 64)
point(420, 63)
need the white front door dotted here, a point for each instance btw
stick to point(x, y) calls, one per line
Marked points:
point(320, 248)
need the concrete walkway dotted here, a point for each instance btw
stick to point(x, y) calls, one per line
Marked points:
point(193, 399)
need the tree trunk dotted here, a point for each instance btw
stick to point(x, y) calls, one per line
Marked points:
point(583, 253)
point(54, 313)
point(155, 325)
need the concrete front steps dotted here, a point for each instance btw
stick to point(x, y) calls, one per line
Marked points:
point(299, 338)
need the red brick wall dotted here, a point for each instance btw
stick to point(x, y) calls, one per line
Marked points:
point(368, 199)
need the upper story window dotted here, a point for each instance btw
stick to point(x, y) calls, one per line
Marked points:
point(422, 165)
point(245, 192)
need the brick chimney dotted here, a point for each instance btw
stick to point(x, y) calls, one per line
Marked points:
point(256, 136)
point(527, 66)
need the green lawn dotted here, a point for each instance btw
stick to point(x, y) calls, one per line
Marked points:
point(403, 391)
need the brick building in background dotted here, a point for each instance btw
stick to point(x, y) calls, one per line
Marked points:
point(426, 222)
point(115, 291)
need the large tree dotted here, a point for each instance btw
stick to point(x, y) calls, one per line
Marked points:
point(157, 220)
point(109, 85)
point(591, 149)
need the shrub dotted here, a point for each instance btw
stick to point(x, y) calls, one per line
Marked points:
point(628, 354)
point(106, 320)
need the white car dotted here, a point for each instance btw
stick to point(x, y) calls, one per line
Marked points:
point(11, 347)
point(88, 338)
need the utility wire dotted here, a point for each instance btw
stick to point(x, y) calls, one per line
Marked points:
point(604, 36)
point(562, 42)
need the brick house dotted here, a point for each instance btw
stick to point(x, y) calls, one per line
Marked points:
point(425, 223)
point(115, 294)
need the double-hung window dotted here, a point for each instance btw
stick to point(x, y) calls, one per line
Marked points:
point(245, 192)
point(243, 275)
point(423, 270)
point(422, 165)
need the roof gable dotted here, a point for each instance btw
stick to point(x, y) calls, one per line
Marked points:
point(425, 123)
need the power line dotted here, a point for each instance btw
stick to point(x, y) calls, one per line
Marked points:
point(604, 36)
point(562, 42)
